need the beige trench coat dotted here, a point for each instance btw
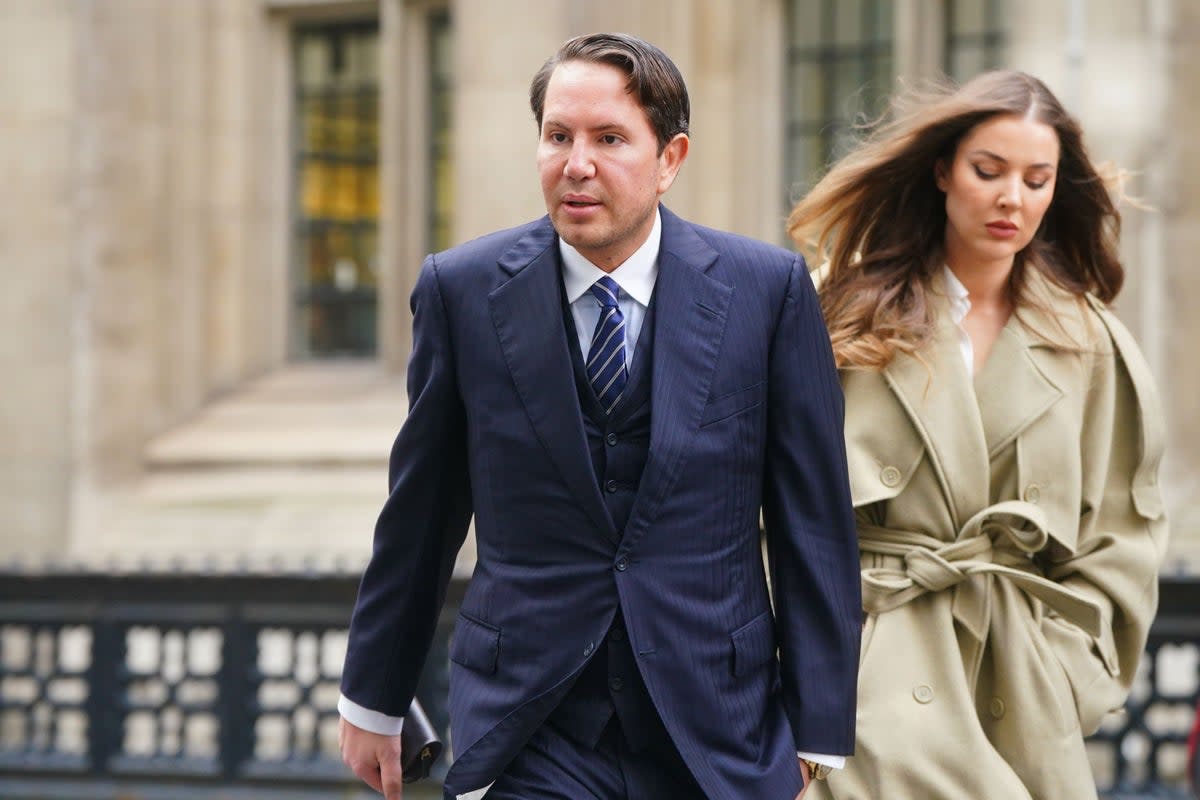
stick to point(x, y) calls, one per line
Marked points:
point(1011, 529)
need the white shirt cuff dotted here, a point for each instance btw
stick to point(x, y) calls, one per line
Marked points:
point(370, 720)
point(837, 762)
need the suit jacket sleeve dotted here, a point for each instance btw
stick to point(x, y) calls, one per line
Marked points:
point(812, 542)
point(422, 524)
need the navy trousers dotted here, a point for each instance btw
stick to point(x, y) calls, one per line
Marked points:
point(553, 766)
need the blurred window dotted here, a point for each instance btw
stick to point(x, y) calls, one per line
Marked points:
point(840, 73)
point(975, 37)
point(335, 255)
point(441, 86)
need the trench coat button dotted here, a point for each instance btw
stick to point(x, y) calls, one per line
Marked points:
point(923, 693)
point(591, 648)
point(997, 707)
point(1033, 493)
point(616, 684)
point(890, 476)
point(622, 564)
point(611, 439)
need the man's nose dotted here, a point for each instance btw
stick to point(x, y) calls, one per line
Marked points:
point(580, 164)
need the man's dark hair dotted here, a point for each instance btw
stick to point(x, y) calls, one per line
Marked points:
point(654, 80)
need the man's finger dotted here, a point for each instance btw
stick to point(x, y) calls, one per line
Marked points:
point(393, 779)
point(371, 777)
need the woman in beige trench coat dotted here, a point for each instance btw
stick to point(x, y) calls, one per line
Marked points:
point(1003, 438)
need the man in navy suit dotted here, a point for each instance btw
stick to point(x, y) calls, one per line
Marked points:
point(616, 394)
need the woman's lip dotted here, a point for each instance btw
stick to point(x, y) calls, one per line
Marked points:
point(1002, 230)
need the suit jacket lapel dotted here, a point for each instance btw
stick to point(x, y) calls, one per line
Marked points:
point(690, 312)
point(527, 314)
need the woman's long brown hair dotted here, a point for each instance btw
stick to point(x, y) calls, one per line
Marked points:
point(877, 220)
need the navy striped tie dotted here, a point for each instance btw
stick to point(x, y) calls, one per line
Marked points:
point(606, 355)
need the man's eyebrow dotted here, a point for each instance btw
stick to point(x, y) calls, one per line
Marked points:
point(1003, 160)
point(603, 126)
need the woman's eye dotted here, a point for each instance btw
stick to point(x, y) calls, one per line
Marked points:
point(1036, 184)
point(982, 173)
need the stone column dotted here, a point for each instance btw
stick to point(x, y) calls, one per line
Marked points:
point(495, 139)
point(39, 91)
point(1177, 166)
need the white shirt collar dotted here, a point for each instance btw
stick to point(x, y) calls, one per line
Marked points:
point(960, 302)
point(635, 276)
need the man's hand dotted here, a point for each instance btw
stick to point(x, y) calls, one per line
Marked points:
point(374, 757)
point(807, 780)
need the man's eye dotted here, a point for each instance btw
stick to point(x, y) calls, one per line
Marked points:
point(558, 138)
point(610, 138)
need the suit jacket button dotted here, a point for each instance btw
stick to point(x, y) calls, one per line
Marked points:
point(591, 648)
point(611, 486)
point(622, 564)
point(611, 439)
point(616, 684)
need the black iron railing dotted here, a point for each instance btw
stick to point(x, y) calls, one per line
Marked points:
point(164, 685)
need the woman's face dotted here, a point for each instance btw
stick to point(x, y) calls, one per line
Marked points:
point(997, 189)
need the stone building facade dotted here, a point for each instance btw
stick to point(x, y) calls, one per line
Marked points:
point(193, 332)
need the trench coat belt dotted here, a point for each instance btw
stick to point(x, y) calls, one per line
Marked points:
point(996, 542)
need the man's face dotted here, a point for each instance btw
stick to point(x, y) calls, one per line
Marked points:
point(598, 159)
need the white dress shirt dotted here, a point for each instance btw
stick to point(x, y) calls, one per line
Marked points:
point(636, 277)
point(960, 304)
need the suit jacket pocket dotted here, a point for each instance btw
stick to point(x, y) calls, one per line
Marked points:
point(732, 404)
point(476, 645)
point(753, 644)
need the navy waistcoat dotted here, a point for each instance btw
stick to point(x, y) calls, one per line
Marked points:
point(619, 445)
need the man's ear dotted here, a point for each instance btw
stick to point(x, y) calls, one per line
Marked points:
point(672, 158)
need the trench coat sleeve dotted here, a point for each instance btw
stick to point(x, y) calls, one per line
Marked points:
point(421, 526)
point(812, 541)
point(1122, 531)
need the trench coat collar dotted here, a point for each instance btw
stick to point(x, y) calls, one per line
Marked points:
point(964, 423)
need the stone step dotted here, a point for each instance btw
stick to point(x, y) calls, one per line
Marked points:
point(321, 414)
point(287, 473)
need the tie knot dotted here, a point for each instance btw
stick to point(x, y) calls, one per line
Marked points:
point(606, 291)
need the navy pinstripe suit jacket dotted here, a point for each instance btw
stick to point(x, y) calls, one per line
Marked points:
point(747, 416)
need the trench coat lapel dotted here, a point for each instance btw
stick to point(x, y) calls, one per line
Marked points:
point(690, 313)
point(527, 314)
point(1013, 392)
point(938, 398)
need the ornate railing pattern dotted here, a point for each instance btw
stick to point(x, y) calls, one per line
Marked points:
point(177, 684)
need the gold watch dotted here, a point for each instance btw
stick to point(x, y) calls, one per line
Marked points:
point(817, 772)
